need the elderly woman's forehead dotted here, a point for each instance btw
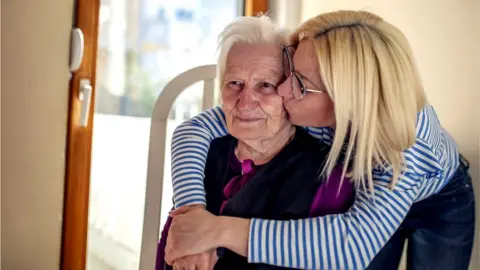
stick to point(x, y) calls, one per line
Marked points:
point(273, 71)
point(255, 62)
point(264, 49)
point(255, 53)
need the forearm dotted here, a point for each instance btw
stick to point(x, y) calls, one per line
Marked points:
point(341, 241)
point(190, 144)
point(323, 134)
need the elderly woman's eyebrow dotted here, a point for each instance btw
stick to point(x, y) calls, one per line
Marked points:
point(231, 77)
point(271, 73)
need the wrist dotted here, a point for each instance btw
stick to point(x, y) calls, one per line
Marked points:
point(223, 231)
point(196, 206)
point(232, 233)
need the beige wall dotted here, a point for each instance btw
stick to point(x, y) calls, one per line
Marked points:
point(0, 134)
point(445, 36)
point(35, 40)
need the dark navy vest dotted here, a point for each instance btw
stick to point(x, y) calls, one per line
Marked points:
point(282, 189)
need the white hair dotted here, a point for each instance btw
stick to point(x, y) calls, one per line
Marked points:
point(248, 30)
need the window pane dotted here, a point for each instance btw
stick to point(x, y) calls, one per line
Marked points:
point(143, 44)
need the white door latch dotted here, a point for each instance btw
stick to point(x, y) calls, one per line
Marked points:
point(85, 96)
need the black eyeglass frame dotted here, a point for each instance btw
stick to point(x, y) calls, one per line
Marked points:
point(296, 76)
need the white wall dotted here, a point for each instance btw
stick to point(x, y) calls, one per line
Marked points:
point(286, 13)
point(35, 38)
point(445, 36)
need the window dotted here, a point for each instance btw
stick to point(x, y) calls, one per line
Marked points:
point(143, 44)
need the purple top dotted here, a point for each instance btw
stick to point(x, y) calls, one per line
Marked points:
point(247, 169)
point(332, 197)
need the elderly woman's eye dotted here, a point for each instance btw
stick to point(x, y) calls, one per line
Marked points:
point(235, 84)
point(267, 85)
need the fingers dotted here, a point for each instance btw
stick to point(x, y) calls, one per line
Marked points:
point(170, 257)
point(193, 262)
point(177, 266)
point(179, 211)
point(204, 262)
point(182, 265)
point(213, 259)
point(172, 253)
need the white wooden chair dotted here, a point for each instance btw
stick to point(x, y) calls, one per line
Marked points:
point(156, 153)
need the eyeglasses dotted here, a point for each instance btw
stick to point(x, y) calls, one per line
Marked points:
point(298, 86)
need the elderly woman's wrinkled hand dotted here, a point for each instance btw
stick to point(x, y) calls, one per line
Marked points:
point(191, 233)
point(204, 261)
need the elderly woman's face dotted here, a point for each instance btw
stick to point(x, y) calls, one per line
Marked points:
point(252, 107)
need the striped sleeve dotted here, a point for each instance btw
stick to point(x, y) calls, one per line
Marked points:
point(190, 143)
point(342, 241)
point(323, 134)
point(352, 239)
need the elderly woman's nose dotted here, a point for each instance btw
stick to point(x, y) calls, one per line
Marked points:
point(247, 99)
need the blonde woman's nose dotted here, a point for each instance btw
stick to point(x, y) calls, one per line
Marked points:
point(285, 89)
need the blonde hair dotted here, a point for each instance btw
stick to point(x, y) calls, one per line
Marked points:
point(250, 30)
point(369, 72)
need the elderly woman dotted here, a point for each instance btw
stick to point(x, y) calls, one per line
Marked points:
point(352, 75)
point(266, 167)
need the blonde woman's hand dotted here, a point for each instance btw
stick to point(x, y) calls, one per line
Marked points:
point(185, 209)
point(195, 230)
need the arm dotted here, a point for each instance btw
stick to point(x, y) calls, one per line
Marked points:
point(351, 240)
point(190, 143)
point(342, 241)
point(324, 134)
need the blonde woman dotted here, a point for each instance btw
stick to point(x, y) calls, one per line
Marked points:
point(352, 77)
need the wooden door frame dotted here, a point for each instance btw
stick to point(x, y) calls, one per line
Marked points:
point(254, 7)
point(79, 142)
point(79, 139)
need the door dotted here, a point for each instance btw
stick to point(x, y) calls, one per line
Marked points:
point(132, 49)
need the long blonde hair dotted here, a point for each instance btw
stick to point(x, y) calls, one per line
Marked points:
point(369, 72)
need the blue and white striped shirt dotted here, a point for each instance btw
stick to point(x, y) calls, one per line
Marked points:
point(342, 241)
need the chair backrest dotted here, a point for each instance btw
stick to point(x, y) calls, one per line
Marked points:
point(156, 153)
